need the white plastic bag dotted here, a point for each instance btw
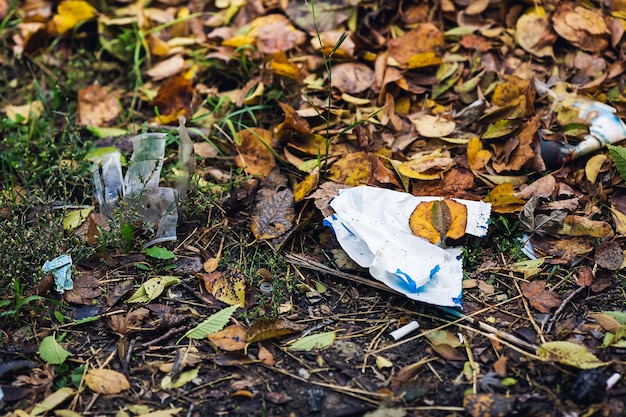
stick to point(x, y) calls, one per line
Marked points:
point(372, 226)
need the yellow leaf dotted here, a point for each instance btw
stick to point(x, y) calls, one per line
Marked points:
point(382, 362)
point(70, 13)
point(24, 114)
point(353, 169)
point(424, 59)
point(106, 381)
point(502, 199)
point(476, 155)
point(304, 187)
point(285, 69)
point(593, 167)
point(423, 219)
point(231, 338)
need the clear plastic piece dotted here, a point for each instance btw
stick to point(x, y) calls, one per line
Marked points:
point(139, 188)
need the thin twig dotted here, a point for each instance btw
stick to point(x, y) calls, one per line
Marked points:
point(558, 311)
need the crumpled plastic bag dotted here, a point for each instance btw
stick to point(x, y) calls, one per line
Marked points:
point(140, 186)
point(61, 268)
point(372, 226)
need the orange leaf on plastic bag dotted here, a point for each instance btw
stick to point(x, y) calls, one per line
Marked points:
point(436, 220)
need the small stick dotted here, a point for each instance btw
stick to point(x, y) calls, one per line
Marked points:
point(552, 321)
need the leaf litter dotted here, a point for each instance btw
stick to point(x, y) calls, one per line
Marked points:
point(471, 100)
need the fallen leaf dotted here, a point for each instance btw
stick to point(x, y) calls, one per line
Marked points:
point(534, 33)
point(273, 213)
point(52, 401)
point(230, 338)
point(584, 277)
point(476, 155)
point(266, 356)
point(228, 287)
point(352, 169)
point(262, 329)
point(25, 113)
point(436, 220)
point(255, 154)
point(70, 13)
point(431, 126)
point(488, 404)
point(539, 297)
point(425, 37)
point(574, 225)
point(152, 288)
point(174, 99)
point(183, 378)
point(352, 77)
point(609, 255)
point(213, 324)
point(170, 67)
point(317, 341)
point(582, 27)
point(569, 353)
point(106, 381)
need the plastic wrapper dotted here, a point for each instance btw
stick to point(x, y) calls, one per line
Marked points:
point(61, 268)
point(139, 188)
point(372, 226)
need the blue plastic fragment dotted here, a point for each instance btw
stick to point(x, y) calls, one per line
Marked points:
point(61, 269)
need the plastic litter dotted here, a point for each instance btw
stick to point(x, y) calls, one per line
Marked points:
point(140, 186)
point(372, 226)
point(605, 128)
point(60, 267)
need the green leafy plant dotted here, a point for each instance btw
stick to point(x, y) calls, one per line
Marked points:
point(52, 352)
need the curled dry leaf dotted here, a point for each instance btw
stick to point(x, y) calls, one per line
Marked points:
point(352, 78)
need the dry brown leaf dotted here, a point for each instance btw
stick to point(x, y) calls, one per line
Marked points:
point(273, 213)
point(263, 329)
point(533, 32)
point(167, 68)
point(97, 106)
point(424, 38)
point(609, 255)
point(174, 99)
point(539, 297)
point(582, 27)
point(254, 154)
point(435, 220)
point(265, 355)
point(584, 277)
point(544, 186)
point(352, 77)
point(86, 289)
